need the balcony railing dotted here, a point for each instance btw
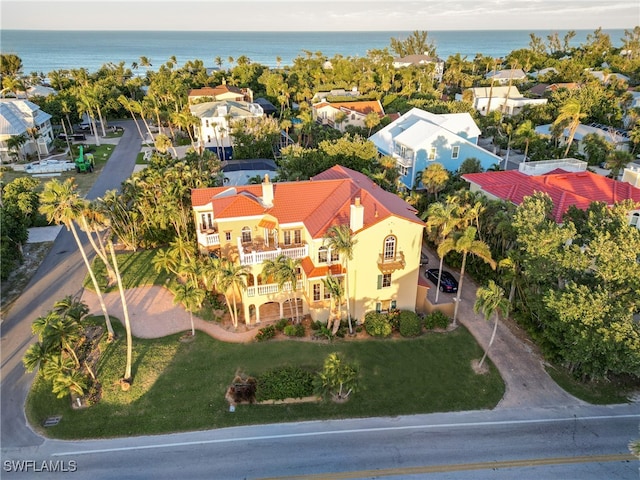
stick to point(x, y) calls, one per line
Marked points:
point(390, 264)
point(258, 256)
point(208, 238)
point(270, 288)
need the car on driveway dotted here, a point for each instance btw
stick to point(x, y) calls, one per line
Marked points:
point(447, 281)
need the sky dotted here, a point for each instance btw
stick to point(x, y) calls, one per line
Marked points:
point(312, 15)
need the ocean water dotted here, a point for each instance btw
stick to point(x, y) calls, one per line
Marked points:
point(45, 51)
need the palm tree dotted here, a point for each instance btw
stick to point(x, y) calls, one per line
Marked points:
point(465, 243)
point(617, 160)
point(490, 300)
point(339, 238)
point(434, 178)
point(371, 121)
point(336, 290)
point(191, 297)
point(526, 132)
point(284, 270)
point(15, 144)
point(34, 134)
point(569, 117)
point(442, 220)
point(60, 203)
point(232, 277)
point(127, 324)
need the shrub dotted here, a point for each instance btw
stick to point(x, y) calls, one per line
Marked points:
point(393, 317)
point(410, 324)
point(436, 319)
point(377, 325)
point(285, 382)
point(281, 324)
point(266, 333)
point(295, 330)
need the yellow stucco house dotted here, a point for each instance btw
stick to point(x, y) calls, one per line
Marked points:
point(253, 223)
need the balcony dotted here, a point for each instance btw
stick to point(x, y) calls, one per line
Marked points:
point(389, 264)
point(209, 238)
point(271, 288)
point(256, 253)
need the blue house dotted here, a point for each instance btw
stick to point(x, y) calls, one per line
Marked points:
point(419, 138)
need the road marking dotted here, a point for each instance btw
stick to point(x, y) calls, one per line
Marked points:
point(340, 432)
point(388, 472)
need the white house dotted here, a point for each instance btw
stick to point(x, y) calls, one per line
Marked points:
point(505, 76)
point(421, 60)
point(419, 138)
point(216, 119)
point(19, 117)
point(508, 99)
point(618, 140)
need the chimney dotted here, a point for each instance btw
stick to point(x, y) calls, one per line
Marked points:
point(356, 217)
point(267, 192)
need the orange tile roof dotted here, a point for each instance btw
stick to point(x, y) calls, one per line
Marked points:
point(565, 188)
point(319, 203)
point(311, 271)
point(362, 106)
point(214, 91)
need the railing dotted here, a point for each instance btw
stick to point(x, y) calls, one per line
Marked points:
point(270, 288)
point(256, 258)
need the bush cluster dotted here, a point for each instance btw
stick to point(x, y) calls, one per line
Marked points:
point(266, 333)
point(377, 325)
point(410, 324)
point(285, 382)
point(297, 330)
point(280, 324)
point(436, 319)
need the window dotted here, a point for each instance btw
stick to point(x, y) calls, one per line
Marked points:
point(390, 248)
point(432, 153)
point(227, 236)
point(378, 307)
point(322, 255)
point(455, 152)
point(206, 123)
point(384, 281)
point(403, 170)
point(287, 237)
point(335, 257)
point(203, 222)
point(327, 293)
point(635, 220)
point(246, 235)
point(393, 304)
point(297, 236)
point(316, 292)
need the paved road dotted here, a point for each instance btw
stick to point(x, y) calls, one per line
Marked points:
point(61, 273)
point(589, 443)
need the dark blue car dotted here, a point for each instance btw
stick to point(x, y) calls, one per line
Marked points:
point(447, 281)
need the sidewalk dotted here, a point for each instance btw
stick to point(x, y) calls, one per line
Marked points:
point(153, 314)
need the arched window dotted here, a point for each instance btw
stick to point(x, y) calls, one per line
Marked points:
point(246, 235)
point(322, 254)
point(635, 220)
point(390, 247)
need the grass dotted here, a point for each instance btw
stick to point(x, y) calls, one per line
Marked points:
point(181, 386)
point(84, 181)
point(595, 392)
point(136, 269)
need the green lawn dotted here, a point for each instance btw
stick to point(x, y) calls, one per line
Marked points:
point(180, 386)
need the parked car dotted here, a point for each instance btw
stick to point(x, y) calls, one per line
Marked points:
point(423, 259)
point(447, 281)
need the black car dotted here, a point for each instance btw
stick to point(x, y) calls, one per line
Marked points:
point(447, 281)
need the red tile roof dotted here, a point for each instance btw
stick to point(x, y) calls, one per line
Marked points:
point(214, 91)
point(363, 106)
point(565, 188)
point(311, 271)
point(319, 203)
